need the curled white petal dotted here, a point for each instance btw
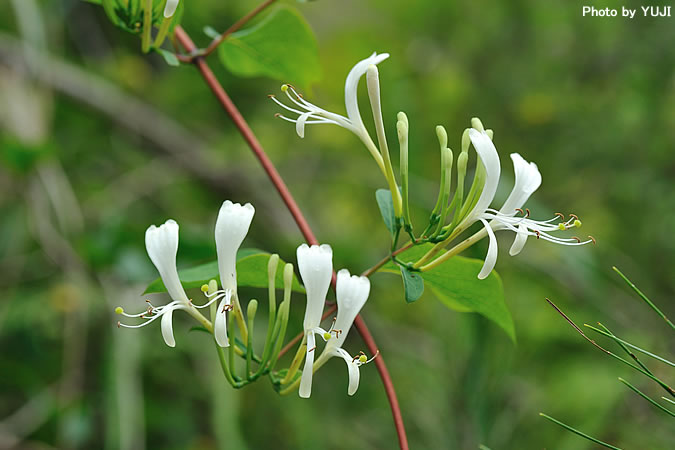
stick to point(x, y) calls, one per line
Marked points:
point(305, 389)
point(167, 327)
point(489, 157)
point(170, 8)
point(162, 246)
point(220, 322)
point(232, 226)
point(352, 293)
point(528, 180)
point(352, 84)
point(315, 264)
point(353, 370)
point(300, 124)
point(491, 257)
point(519, 241)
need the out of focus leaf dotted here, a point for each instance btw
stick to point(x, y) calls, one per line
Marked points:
point(251, 272)
point(169, 57)
point(282, 47)
point(456, 285)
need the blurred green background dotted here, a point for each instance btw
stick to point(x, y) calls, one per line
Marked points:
point(99, 141)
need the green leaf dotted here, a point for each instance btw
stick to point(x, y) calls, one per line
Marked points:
point(282, 47)
point(386, 205)
point(168, 56)
point(211, 32)
point(456, 285)
point(251, 272)
point(413, 284)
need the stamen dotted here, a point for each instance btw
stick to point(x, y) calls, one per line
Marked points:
point(538, 233)
point(520, 211)
point(327, 336)
point(576, 239)
point(204, 288)
point(574, 216)
point(561, 215)
point(561, 227)
point(311, 349)
point(119, 310)
point(592, 239)
point(119, 324)
point(359, 356)
point(577, 223)
point(528, 212)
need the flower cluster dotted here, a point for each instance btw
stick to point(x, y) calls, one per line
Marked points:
point(315, 265)
point(452, 215)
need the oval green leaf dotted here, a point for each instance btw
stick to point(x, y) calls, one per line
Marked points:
point(456, 285)
point(282, 47)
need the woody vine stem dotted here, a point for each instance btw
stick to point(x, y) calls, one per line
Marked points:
point(198, 60)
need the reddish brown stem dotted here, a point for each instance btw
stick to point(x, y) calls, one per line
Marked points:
point(286, 196)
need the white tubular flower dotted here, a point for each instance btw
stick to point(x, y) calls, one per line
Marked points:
point(527, 180)
point(162, 246)
point(352, 293)
point(308, 113)
point(232, 226)
point(170, 8)
point(315, 264)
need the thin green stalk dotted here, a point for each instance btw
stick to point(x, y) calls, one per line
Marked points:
point(250, 313)
point(668, 400)
point(231, 347)
point(624, 344)
point(147, 26)
point(163, 31)
point(223, 364)
point(577, 432)
point(644, 297)
point(297, 360)
point(653, 402)
point(284, 309)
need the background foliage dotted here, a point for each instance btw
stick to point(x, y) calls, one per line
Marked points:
point(103, 141)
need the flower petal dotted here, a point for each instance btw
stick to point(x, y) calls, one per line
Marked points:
point(351, 293)
point(300, 123)
point(308, 370)
point(489, 157)
point(167, 327)
point(315, 264)
point(220, 323)
point(352, 84)
point(170, 8)
point(528, 180)
point(232, 226)
point(519, 241)
point(491, 257)
point(353, 369)
point(162, 246)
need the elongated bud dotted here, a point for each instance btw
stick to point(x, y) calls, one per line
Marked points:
point(212, 287)
point(447, 161)
point(491, 134)
point(466, 141)
point(288, 276)
point(462, 161)
point(442, 136)
point(402, 131)
point(272, 269)
point(251, 310)
point(477, 124)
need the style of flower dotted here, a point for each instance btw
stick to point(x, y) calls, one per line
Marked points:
point(162, 246)
point(352, 293)
point(170, 8)
point(315, 264)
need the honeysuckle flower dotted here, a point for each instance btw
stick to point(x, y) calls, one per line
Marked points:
point(170, 8)
point(527, 181)
point(315, 264)
point(162, 246)
point(352, 293)
point(308, 113)
point(232, 225)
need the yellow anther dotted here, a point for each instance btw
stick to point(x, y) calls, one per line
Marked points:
point(561, 226)
point(363, 359)
point(204, 288)
point(284, 87)
point(326, 336)
point(119, 310)
point(577, 223)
